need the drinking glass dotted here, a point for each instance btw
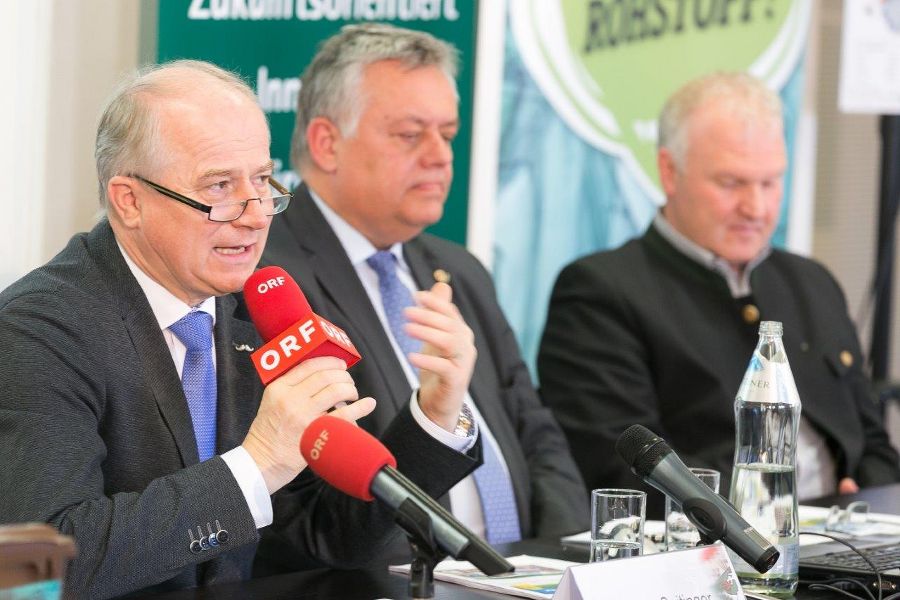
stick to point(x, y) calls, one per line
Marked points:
point(617, 523)
point(680, 532)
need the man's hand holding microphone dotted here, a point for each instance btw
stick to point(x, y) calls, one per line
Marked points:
point(312, 375)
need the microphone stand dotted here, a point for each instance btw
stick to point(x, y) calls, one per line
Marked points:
point(426, 554)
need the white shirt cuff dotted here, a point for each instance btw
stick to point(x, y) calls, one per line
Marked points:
point(460, 443)
point(252, 484)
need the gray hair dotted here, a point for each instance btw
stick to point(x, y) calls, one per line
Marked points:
point(743, 96)
point(128, 134)
point(332, 80)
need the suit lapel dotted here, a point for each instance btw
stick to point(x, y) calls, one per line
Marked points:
point(159, 371)
point(421, 263)
point(239, 388)
point(162, 378)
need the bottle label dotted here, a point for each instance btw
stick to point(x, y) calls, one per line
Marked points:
point(789, 561)
point(768, 381)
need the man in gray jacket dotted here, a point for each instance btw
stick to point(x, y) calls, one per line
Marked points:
point(131, 417)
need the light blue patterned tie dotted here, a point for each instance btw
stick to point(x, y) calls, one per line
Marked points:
point(394, 297)
point(198, 377)
point(498, 501)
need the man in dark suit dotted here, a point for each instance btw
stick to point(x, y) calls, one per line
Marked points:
point(376, 118)
point(131, 417)
point(660, 331)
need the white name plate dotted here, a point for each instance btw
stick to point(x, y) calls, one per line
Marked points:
point(696, 574)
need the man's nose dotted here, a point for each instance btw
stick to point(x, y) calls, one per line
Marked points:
point(254, 216)
point(438, 151)
point(753, 201)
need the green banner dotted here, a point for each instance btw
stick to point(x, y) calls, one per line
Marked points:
point(270, 42)
point(584, 83)
point(607, 65)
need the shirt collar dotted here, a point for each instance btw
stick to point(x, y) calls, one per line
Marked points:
point(355, 244)
point(166, 307)
point(738, 283)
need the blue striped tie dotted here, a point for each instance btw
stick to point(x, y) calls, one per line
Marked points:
point(198, 377)
point(498, 501)
point(394, 297)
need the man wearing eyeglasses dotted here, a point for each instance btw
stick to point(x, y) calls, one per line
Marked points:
point(131, 417)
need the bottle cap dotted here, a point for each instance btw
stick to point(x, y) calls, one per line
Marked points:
point(770, 328)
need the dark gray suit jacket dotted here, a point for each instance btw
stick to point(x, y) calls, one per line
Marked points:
point(96, 437)
point(644, 334)
point(550, 494)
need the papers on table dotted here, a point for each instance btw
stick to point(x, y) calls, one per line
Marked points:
point(814, 518)
point(534, 577)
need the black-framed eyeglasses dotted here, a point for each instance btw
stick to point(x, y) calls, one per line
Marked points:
point(225, 212)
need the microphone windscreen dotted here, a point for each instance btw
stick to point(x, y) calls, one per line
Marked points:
point(641, 448)
point(344, 455)
point(275, 301)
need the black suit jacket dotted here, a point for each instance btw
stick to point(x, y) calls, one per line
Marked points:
point(643, 334)
point(96, 438)
point(550, 494)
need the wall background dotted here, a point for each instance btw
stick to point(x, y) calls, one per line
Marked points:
point(62, 59)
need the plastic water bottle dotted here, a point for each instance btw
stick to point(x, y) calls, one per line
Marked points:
point(763, 483)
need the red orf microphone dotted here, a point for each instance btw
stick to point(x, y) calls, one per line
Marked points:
point(292, 332)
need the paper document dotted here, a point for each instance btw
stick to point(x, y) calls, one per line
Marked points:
point(534, 577)
point(814, 518)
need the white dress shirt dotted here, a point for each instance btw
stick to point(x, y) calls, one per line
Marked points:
point(815, 464)
point(465, 503)
point(168, 310)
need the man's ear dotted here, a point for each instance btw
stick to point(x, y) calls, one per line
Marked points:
point(668, 171)
point(124, 205)
point(323, 139)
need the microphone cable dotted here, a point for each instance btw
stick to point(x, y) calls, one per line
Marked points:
point(837, 585)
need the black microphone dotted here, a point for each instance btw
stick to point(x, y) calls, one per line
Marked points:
point(651, 459)
point(353, 461)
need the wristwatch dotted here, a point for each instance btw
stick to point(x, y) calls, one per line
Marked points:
point(465, 425)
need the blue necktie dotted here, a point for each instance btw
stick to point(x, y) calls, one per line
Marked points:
point(394, 297)
point(498, 500)
point(198, 377)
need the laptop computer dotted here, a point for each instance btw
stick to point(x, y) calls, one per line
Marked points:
point(832, 560)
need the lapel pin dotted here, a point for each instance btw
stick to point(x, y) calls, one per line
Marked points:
point(846, 358)
point(441, 276)
point(243, 347)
